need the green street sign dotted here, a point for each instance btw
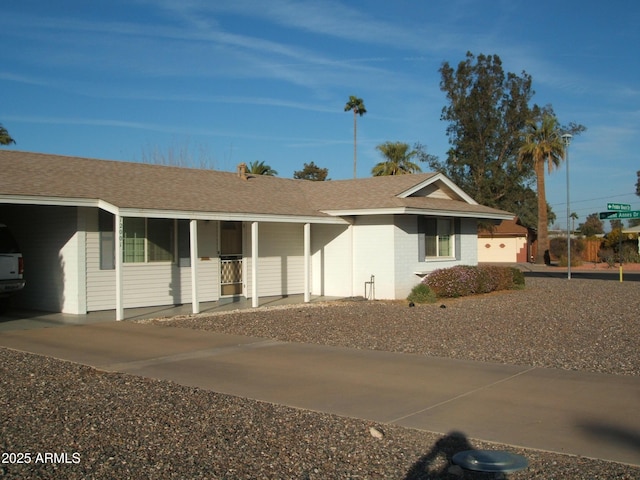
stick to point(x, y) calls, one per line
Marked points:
point(614, 215)
point(620, 207)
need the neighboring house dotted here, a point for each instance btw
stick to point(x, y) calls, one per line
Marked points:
point(633, 231)
point(508, 242)
point(101, 235)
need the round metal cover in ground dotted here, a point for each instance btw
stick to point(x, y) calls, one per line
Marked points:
point(490, 461)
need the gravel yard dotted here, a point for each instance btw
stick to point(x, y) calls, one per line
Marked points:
point(109, 425)
point(583, 324)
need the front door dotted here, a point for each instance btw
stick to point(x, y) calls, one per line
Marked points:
point(230, 258)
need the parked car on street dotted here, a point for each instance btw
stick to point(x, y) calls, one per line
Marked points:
point(11, 267)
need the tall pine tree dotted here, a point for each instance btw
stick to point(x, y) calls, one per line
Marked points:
point(487, 113)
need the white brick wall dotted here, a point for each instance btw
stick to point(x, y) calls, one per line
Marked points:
point(383, 246)
point(407, 258)
point(331, 262)
point(469, 231)
point(374, 253)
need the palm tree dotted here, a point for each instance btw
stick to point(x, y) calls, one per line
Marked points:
point(5, 138)
point(357, 105)
point(542, 145)
point(398, 160)
point(574, 217)
point(259, 168)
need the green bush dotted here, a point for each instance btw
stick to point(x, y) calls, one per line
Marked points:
point(466, 280)
point(517, 277)
point(452, 282)
point(421, 293)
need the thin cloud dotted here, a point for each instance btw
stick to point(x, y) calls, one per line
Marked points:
point(135, 49)
point(89, 122)
point(24, 79)
point(155, 127)
point(322, 18)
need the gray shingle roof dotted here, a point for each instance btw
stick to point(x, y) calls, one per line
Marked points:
point(158, 187)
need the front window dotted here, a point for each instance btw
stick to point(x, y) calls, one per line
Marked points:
point(147, 240)
point(160, 240)
point(439, 237)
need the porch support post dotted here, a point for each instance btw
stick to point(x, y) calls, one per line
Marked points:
point(118, 267)
point(307, 259)
point(352, 264)
point(254, 264)
point(193, 244)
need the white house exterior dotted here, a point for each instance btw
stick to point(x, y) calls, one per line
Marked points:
point(106, 235)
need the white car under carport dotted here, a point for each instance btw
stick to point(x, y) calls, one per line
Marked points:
point(11, 266)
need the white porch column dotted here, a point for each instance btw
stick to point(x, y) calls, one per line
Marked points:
point(254, 264)
point(307, 260)
point(193, 244)
point(118, 267)
point(352, 263)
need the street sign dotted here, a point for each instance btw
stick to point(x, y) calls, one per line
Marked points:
point(614, 215)
point(620, 207)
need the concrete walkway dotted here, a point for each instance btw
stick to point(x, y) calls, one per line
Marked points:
point(593, 415)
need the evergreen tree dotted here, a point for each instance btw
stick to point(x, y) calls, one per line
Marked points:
point(312, 172)
point(592, 226)
point(487, 113)
point(5, 138)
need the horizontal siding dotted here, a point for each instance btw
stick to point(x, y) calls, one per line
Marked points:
point(280, 259)
point(101, 284)
point(148, 284)
point(208, 280)
point(280, 276)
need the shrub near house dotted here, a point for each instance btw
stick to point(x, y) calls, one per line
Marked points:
point(464, 280)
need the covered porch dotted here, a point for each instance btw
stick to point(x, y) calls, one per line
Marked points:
point(21, 319)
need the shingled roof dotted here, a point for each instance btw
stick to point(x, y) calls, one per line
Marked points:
point(129, 185)
point(506, 228)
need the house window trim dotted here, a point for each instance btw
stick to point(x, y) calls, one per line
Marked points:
point(106, 240)
point(453, 240)
point(146, 261)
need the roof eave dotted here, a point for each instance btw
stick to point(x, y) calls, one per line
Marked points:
point(57, 201)
point(438, 177)
point(231, 216)
point(166, 213)
point(497, 215)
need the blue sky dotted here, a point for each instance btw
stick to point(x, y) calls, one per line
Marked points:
point(246, 80)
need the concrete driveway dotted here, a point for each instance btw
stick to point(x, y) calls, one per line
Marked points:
point(588, 414)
